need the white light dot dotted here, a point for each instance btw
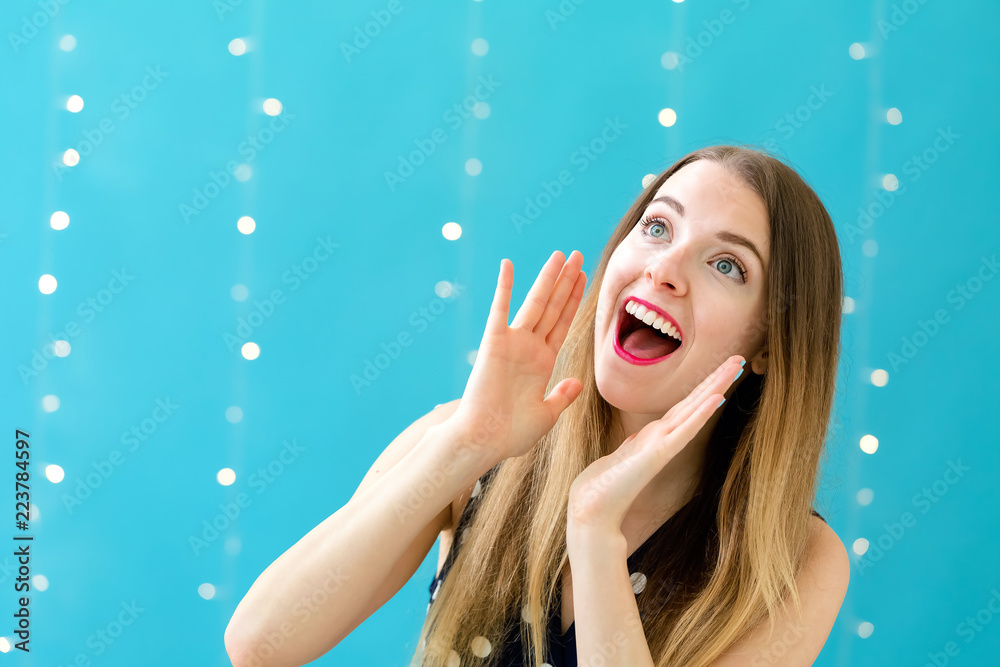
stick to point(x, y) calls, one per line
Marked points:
point(242, 173)
point(860, 546)
point(54, 473)
point(74, 104)
point(894, 116)
point(443, 289)
point(481, 110)
point(471, 357)
point(667, 117)
point(480, 46)
point(869, 443)
point(865, 630)
point(50, 403)
point(59, 220)
point(67, 43)
point(880, 377)
point(234, 414)
point(237, 47)
point(451, 231)
point(869, 248)
point(34, 512)
point(857, 51)
point(865, 497)
point(4, 645)
point(206, 591)
point(638, 580)
point(453, 659)
point(233, 545)
point(239, 292)
point(47, 284)
point(473, 167)
point(62, 348)
point(647, 179)
point(848, 305)
point(71, 158)
point(41, 582)
point(480, 646)
point(272, 107)
point(678, 1)
point(669, 60)
point(226, 476)
point(890, 182)
point(250, 351)
point(246, 224)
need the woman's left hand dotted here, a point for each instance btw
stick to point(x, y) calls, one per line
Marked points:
point(601, 495)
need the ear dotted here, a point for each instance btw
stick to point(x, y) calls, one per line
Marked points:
point(759, 362)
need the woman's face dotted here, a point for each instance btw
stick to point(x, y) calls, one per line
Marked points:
point(678, 265)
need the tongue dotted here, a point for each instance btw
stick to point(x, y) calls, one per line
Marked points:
point(645, 344)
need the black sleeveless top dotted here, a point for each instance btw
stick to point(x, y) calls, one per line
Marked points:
point(560, 650)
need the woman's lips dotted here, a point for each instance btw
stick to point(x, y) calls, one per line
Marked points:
point(627, 356)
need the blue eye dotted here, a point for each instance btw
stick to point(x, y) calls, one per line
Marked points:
point(653, 222)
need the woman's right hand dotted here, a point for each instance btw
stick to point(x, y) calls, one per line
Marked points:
point(504, 410)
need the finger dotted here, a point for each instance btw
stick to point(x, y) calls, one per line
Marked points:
point(534, 304)
point(718, 381)
point(500, 310)
point(562, 395)
point(564, 288)
point(687, 429)
point(558, 334)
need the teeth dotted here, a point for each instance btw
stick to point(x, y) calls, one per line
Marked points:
point(651, 318)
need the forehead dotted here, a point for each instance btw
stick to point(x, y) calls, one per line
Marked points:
point(715, 200)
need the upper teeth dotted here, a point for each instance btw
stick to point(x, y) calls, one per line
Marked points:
point(652, 318)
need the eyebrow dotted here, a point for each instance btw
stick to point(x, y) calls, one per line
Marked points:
point(727, 236)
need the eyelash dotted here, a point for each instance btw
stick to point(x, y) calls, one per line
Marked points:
point(647, 221)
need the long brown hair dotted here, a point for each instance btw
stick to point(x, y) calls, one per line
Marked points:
point(729, 558)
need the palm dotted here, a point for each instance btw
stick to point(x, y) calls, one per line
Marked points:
point(504, 400)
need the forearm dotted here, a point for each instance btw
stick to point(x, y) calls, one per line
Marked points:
point(349, 555)
point(608, 628)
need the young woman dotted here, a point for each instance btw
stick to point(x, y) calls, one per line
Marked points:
point(595, 503)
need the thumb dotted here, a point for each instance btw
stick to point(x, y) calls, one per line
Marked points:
point(563, 394)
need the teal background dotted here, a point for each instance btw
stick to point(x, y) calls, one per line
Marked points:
point(347, 121)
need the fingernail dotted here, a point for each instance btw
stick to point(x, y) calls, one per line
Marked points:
point(738, 375)
point(743, 362)
point(720, 403)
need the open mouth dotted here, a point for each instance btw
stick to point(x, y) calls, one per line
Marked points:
point(639, 343)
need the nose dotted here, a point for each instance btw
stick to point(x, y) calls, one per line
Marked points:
point(666, 269)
